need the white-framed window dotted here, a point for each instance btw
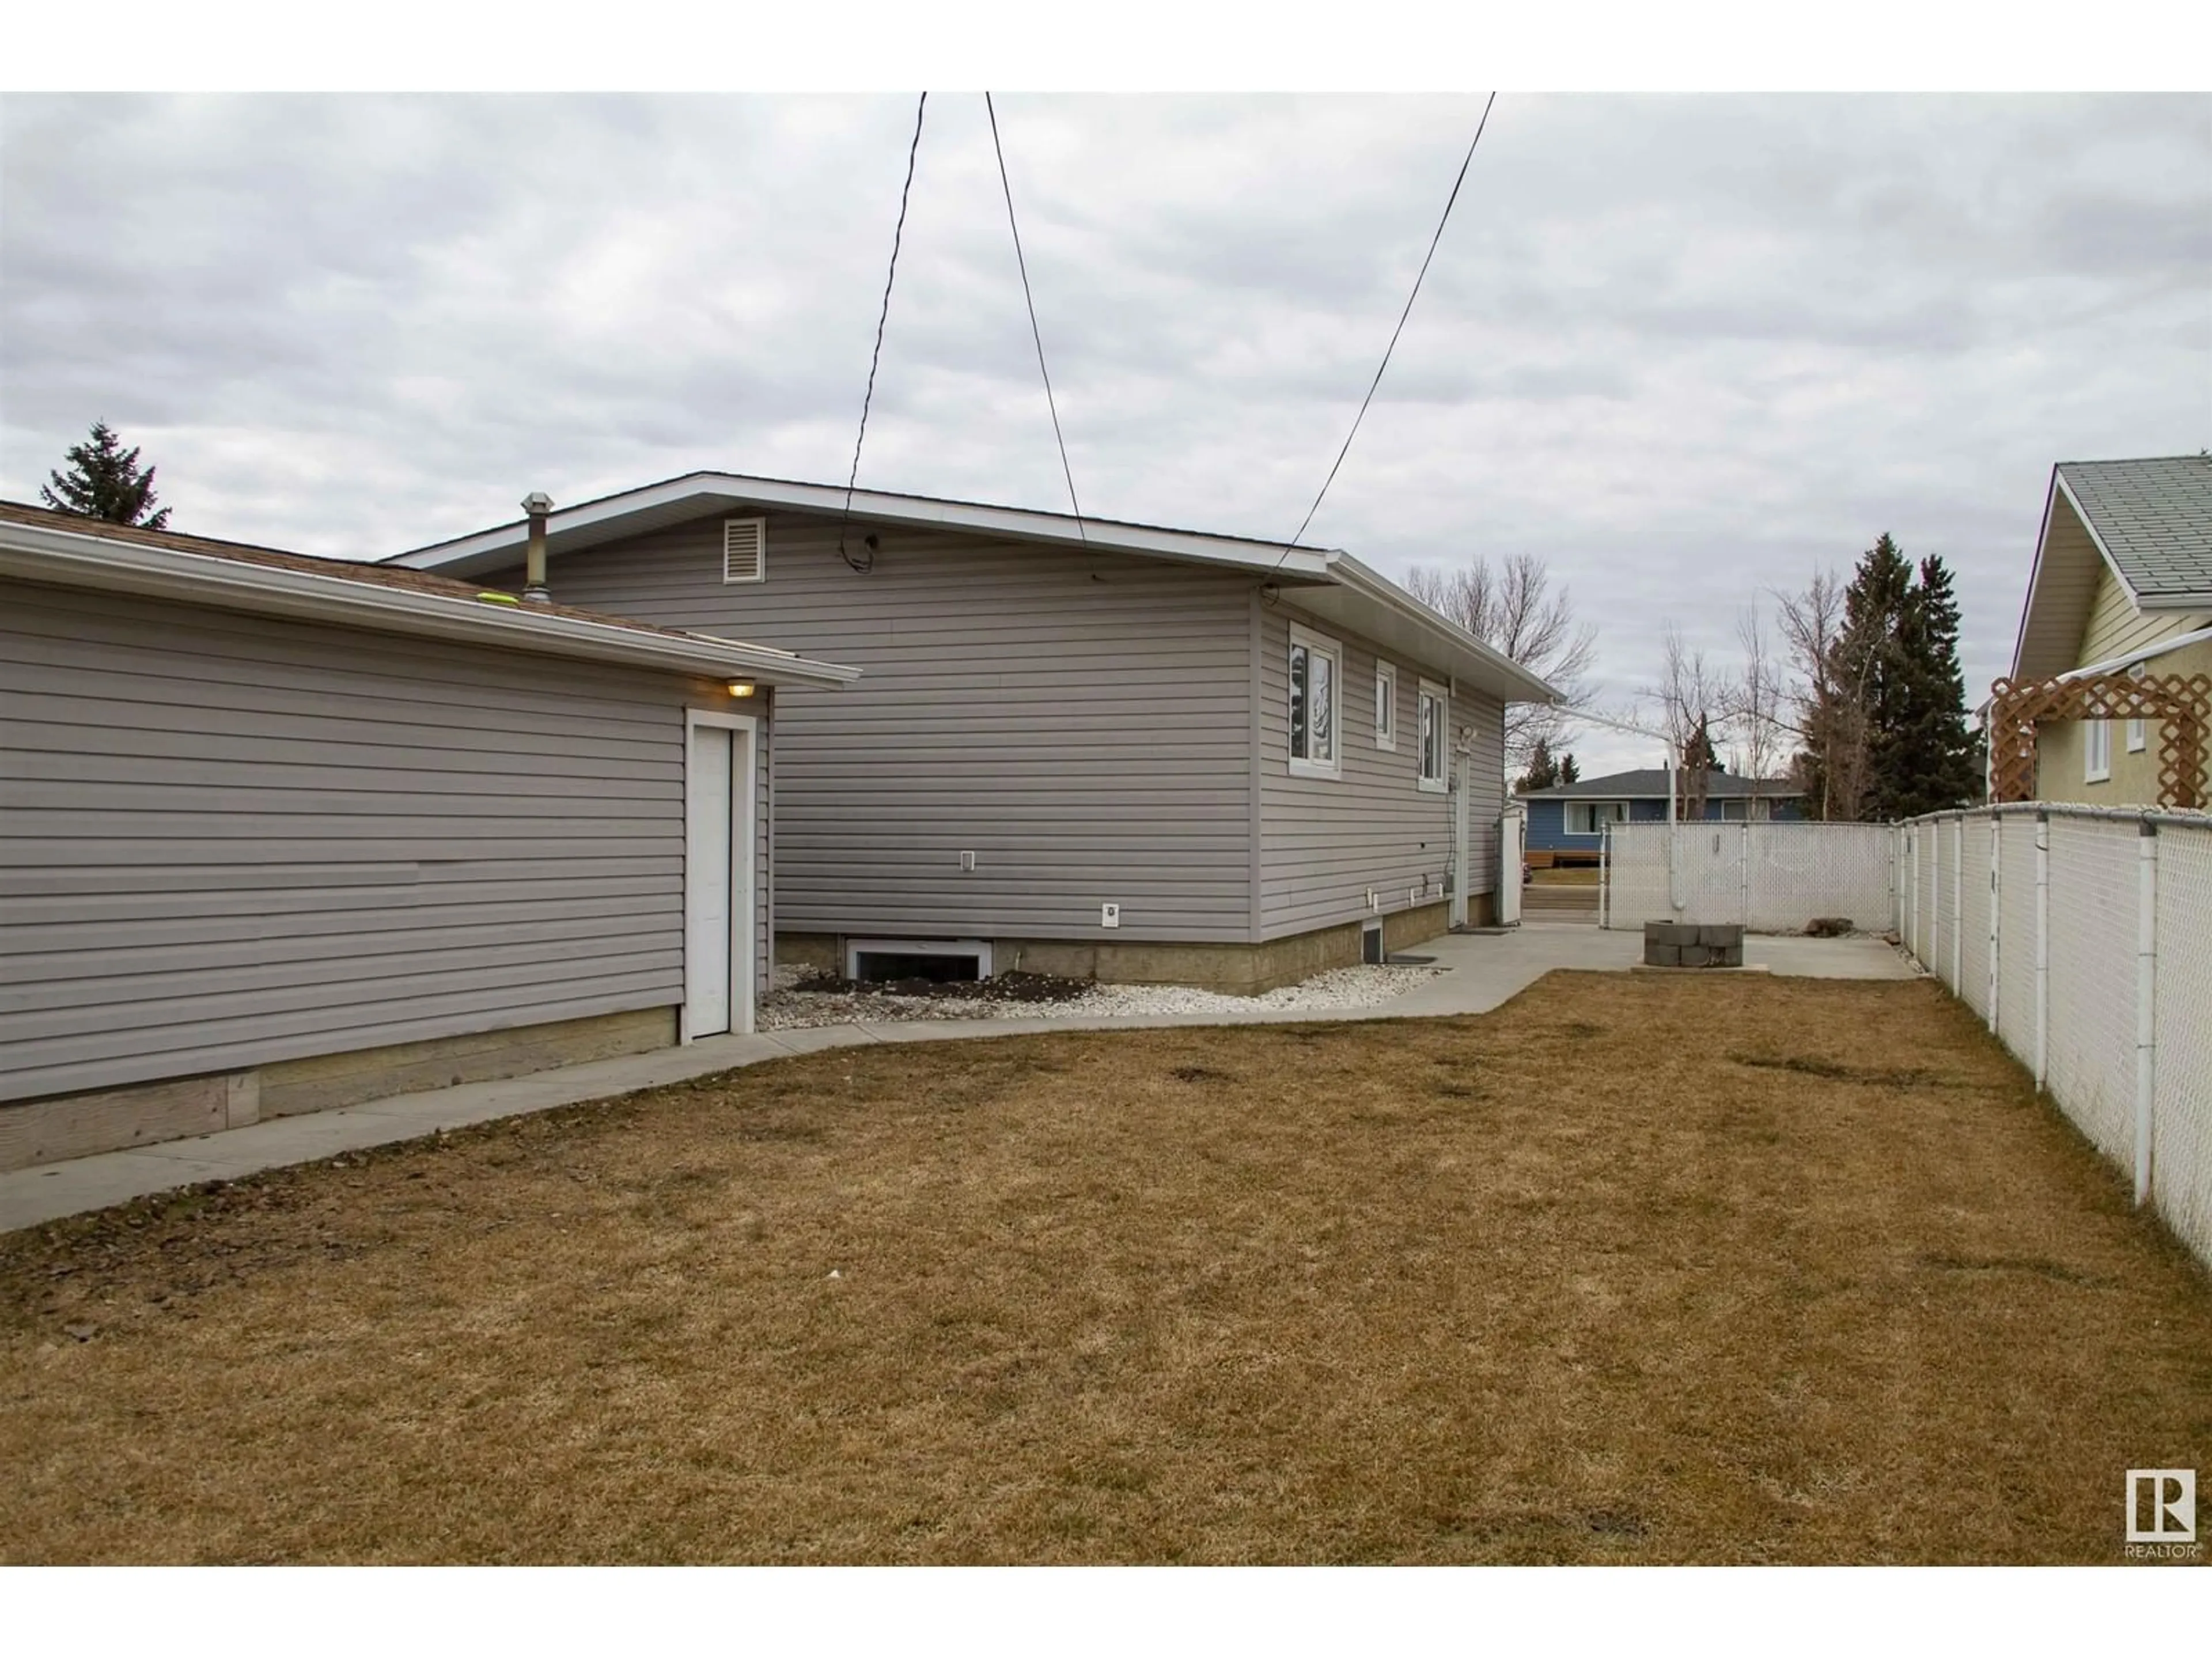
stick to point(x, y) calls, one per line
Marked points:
point(2097, 753)
point(2137, 740)
point(745, 549)
point(1433, 710)
point(1386, 705)
point(1316, 678)
point(1744, 808)
point(1589, 817)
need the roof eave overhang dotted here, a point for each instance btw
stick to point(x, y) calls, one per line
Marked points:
point(591, 523)
point(70, 559)
point(2045, 663)
point(2035, 574)
point(1370, 604)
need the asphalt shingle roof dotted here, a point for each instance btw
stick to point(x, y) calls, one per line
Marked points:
point(1651, 784)
point(2154, 518)
point(348, 570)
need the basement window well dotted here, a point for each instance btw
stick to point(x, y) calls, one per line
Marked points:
point(943, 960)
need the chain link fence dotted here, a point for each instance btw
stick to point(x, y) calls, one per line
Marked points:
point(2102, 959)
point(2081, 936)
point(1771, 878)
point(1976, 843)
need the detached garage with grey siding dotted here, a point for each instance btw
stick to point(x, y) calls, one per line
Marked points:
point(279, 834)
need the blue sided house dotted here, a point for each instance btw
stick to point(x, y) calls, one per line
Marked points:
point(1566, 823)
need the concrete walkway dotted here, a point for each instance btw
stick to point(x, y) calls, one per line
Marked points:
point(1482, 971)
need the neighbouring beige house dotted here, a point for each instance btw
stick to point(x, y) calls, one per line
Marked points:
point(2122, 584)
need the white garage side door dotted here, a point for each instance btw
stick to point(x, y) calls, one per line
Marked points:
point(717, 869)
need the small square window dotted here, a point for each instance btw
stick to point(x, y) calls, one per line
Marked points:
point(1386, 705)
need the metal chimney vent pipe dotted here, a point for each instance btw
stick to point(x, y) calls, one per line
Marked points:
point(536, 504)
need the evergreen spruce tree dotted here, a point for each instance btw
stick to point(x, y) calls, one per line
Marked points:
point(1541, 772)
point(105, 481)
point(1937, 763)
point(1569, 772)
point(1870, 665)
point(1897, 664)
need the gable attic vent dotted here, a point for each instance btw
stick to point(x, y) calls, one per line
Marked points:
point(745, 549)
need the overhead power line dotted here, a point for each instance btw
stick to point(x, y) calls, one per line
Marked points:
point(1394, 333)
point(898, 234)
point(1035, 333)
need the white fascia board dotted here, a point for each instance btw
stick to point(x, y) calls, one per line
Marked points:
point(2141, 601)
point(574, 526)
point(1442, 643)
point(2060, 488)
point(34, 553)
point(2090, 524)
point(2116, 664)
point(2035, 572)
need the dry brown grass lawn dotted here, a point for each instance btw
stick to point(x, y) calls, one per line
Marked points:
point(1633, 1270)
point(1565, 876)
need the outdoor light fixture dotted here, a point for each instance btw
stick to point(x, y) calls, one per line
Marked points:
point(741, 687)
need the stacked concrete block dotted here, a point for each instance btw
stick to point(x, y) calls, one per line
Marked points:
point(1693, 944)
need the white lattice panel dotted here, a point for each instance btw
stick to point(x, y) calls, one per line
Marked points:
point(2181, 1119)
point(1974, 915)
point(2093, 979)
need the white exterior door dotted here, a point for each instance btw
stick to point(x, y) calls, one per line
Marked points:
point(1512, 861)
point(718, 861)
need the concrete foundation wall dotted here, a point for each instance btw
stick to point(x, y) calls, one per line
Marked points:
point(1240, 969)
point(76, 1126)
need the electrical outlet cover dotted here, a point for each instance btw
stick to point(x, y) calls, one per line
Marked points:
point(1109, 916)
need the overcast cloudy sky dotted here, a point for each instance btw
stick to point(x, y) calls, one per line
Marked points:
point(1685, 348)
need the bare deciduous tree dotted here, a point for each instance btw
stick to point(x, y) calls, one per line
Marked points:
point(1513, 609)
point(1832, 722)
point(1757, 703)
point(1693, 695)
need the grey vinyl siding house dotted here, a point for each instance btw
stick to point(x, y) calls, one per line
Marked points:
point(275, 838)
point(1054, 718)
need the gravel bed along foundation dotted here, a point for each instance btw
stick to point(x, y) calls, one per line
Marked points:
point(797, 1002)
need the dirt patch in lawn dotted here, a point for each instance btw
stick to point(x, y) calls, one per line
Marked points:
point(1561, 1283)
